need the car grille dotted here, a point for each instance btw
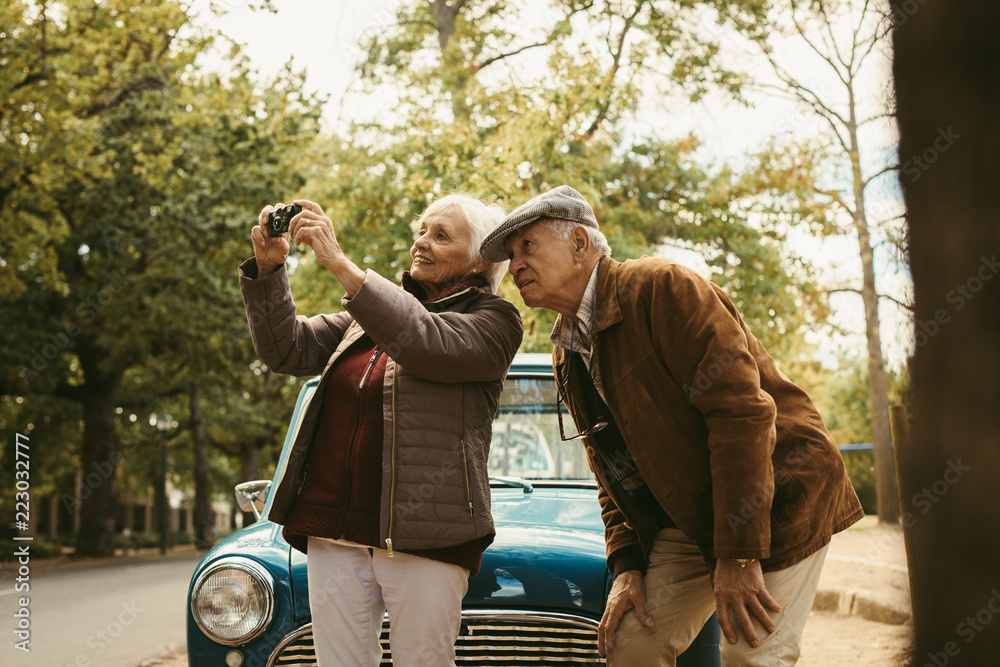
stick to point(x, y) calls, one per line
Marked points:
point(487, 638)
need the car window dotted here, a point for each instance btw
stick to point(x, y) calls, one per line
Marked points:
point(526, 440)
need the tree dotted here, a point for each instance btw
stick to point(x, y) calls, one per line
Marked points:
point(133, 183)
point(821, 26)
point(950, 476)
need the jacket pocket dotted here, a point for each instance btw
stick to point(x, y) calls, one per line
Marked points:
point(790, 525)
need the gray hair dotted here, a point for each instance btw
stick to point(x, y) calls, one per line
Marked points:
point(561, 229)
point(481, 219)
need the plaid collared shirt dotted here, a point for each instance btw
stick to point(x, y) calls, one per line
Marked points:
point(570, 335)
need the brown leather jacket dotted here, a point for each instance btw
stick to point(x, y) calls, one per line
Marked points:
point(736, 454)
point(447, 363)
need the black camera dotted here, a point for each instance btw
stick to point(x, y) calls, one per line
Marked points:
point(278, 219)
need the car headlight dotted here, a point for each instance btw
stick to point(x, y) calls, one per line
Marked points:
point(233, 600)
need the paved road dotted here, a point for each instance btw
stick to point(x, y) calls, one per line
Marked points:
point(112, 615)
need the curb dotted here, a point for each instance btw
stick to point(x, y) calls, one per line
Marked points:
point(67, 562)
point(855, 602)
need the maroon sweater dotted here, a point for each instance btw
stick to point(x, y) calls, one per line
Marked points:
point(341, 495)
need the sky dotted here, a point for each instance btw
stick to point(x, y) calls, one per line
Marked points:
point(321, 36)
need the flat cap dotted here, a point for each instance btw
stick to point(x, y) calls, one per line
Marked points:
point(562, 202)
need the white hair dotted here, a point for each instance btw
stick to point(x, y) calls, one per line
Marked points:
point(562, 229)
point(481, 219)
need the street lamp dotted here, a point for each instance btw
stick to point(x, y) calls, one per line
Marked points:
point(163, 425)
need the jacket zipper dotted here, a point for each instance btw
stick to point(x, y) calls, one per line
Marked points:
point(352, 446)
point(305, 471)
point(392, 467)
point(468, 487)
point(368, 371)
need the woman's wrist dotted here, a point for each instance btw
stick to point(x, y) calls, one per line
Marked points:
point(265, 269)
point(350, 275)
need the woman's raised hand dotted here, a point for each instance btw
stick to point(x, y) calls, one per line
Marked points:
point(270, 251)
point(315, 229)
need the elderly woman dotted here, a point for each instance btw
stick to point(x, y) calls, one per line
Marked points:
point(386, 486)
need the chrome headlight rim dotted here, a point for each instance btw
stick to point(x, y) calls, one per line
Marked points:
point(255, 570)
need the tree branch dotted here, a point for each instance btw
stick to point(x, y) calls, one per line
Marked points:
point(548, 40)
point(878, 34)
point(602, 112)
point(149, 83)
point(430, 24)
point(28, 80)
point(837, 199)
point(852, 290)
point(878, 116)
point(817, 51)
point(818, 109)
point(896, 301)
point(880, 172)
point(805, 94)
point(490, 61)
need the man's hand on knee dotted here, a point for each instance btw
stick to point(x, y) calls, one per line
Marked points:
point(628, 591)
point(740, 592)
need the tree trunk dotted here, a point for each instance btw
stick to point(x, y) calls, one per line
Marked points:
point(885, 468)
point(453, 75)
point(948, 94)
point(99, 456)
point(878, 388)
point(204, 520)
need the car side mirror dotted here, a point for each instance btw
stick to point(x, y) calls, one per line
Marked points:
point(251, 496)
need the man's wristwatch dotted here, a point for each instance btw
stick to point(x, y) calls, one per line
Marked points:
point(743, 562)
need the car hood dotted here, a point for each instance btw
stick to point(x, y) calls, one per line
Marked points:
point(261, 542)
point(548, 555)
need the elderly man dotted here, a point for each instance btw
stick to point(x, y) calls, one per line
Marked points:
point(720, 487)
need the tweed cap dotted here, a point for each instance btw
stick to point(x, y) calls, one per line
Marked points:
point(562, 202)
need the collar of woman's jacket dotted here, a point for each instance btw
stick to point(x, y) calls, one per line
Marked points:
point(414, 288)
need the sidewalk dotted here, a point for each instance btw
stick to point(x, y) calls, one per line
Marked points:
point(67, 561)
point(861, 615)
point(865, 574)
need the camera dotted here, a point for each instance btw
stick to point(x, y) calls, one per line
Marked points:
point(278, 219)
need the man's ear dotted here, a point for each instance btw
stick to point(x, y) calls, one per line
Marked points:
point(580, 241)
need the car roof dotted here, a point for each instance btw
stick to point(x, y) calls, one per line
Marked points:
point(532, 362)
point(524, 362)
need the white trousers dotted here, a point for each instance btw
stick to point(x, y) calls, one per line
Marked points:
point(351, 587)
point(680, 598)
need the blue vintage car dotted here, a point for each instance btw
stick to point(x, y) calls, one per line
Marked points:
point(537, 599)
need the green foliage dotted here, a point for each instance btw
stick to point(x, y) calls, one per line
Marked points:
point(861, 470)
point(129, 184)
point(843, 398)
point(150, 539)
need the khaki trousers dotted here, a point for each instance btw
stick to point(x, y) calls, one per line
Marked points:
point(352, 586)
point(680, 598)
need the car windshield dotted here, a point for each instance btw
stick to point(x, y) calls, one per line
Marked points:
point(526, 440)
